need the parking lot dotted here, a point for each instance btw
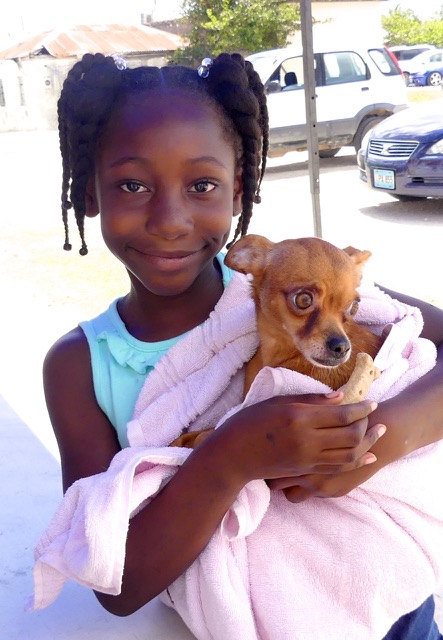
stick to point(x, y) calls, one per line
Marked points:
point(47, 291)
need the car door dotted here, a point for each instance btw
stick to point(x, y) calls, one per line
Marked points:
point(342, 85)
point(344, 90)
point(286, 103)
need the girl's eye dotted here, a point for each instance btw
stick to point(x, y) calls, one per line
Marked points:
point(353, 308)
point(303, 300)
point(204, 186)
point(133, 187)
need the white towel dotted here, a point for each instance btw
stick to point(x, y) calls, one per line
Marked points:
point(346, 567)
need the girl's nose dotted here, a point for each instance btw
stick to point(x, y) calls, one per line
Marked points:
point(168, 216)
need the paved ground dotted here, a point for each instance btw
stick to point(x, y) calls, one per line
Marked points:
point(47, 291)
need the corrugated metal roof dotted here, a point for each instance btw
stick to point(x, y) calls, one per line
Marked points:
point(107, 39)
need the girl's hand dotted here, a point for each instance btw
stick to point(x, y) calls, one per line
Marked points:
point(316, 485)
point(292, 436)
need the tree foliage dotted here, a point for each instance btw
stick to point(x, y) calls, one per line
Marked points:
point(245, 26)
point(404, 27)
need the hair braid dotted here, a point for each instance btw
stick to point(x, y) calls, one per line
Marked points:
point(88, 95)
point(238, 89)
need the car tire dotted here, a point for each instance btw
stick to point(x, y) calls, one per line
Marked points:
point(402, 198)
point(328, 153)
point(365, 125)
point(434, 79)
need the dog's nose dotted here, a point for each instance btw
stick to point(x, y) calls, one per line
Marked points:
point(339, 347)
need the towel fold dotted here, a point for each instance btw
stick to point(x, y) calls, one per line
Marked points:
point(348, 567)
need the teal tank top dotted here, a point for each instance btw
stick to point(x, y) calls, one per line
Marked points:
point(121, 363)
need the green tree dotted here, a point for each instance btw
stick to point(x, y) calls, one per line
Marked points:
point(404, 27)
point(236, 25)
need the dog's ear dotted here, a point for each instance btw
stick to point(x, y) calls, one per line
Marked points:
point(249, 254)
point(359, 257)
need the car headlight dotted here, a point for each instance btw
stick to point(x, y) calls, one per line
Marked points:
point(437, 148)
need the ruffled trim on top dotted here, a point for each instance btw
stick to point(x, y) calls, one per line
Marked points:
point(126, 350)
point(140, 356)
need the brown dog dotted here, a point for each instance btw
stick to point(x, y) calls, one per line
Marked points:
point(305, 296)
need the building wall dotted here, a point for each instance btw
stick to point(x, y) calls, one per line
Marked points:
point(30, 88)
point(346, 22)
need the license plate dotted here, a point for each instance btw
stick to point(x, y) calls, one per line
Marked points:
point(384, 179)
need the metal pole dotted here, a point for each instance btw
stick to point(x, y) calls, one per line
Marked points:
point(311, 112)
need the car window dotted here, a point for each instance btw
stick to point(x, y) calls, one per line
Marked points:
point(436, 57)
point(408, 54)
point(344, 66)
point(291, 74)
point(384, 62)
point(263, 65)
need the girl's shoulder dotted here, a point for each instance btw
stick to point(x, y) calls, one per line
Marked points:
point(71, 345)
point(66, 362)
point(78, 422)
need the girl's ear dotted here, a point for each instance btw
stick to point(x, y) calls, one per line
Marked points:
point(238, 193)
point(91, 203)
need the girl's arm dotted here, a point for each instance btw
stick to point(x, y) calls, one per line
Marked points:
point(414, 419)
point(279, 437)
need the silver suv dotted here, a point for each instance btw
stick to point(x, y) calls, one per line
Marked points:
point(356, 88)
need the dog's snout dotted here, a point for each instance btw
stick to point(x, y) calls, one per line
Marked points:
point(338, 346)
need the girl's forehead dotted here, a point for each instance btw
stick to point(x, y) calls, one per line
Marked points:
point(167, 114)
point(158, 108)
point(179, 125)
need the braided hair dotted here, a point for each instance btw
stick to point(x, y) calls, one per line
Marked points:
point(95, 85)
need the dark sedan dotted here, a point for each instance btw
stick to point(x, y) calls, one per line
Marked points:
point(403, 155)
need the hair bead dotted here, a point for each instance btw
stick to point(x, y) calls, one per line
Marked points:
point(204, 68)
point(119, 62)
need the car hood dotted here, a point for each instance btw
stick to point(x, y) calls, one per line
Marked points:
point(423, 122)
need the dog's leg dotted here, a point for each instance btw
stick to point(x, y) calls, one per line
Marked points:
point(192, 439)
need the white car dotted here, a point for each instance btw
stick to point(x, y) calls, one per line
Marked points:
point(423, 62)
point(356, 88)
point(406, 53)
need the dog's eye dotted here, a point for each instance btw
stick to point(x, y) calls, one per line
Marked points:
point(303, 300)
point(352, 310)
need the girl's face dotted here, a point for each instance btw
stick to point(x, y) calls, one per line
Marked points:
point(167, 187)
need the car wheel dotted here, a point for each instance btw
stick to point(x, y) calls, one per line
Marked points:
point(406, 198)
point(434, 79)
point(363, 128)
point(328, 153)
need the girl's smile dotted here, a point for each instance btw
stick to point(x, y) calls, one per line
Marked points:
point(165, 261)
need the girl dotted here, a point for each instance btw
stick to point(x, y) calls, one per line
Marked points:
point(168, 156)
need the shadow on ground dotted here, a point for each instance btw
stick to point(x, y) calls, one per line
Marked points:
point(416, 212)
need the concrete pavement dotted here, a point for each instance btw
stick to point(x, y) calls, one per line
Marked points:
point(31, 490)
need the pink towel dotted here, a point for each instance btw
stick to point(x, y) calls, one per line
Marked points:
point(345, 567)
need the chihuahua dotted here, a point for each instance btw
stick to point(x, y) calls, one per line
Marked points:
point(305, 292)
point(305, 296)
